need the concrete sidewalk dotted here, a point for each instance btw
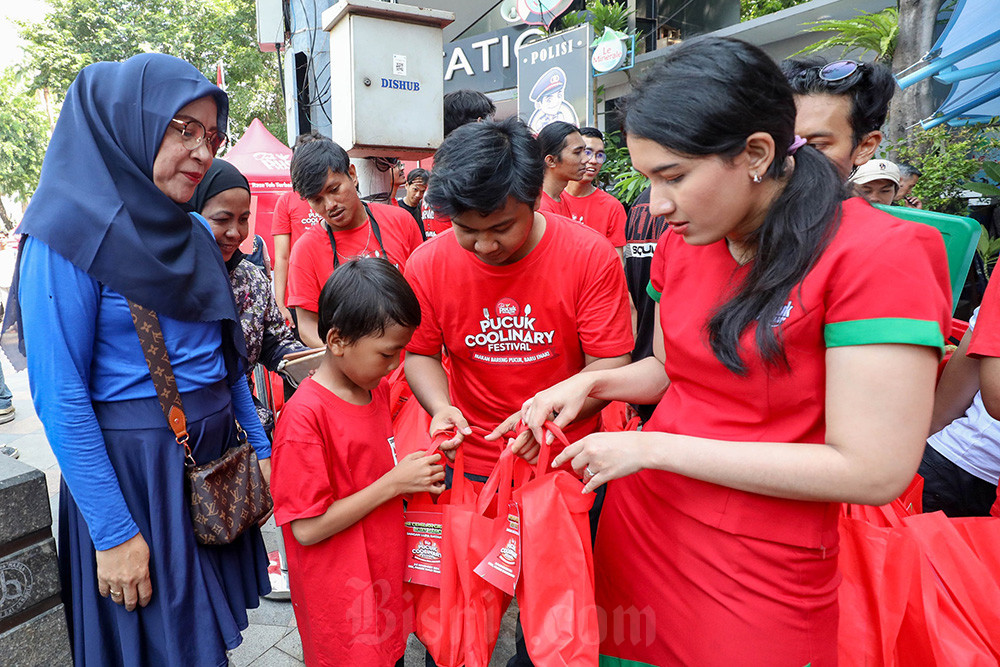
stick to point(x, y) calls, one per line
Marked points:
point(271, 640)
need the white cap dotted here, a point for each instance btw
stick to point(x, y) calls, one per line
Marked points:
point(875, 170)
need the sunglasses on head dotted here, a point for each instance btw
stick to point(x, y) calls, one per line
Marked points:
point(839, 70)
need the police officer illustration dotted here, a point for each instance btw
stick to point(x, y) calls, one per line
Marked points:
point(548, 95)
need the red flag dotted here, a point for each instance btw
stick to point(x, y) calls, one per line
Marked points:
point(220, 77)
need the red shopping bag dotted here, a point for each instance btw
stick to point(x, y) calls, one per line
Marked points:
point(555, 592)
point(877, 587)
point(619, 416)
point(476, 524)
point(920, 593)
point(438, 612)
point(459, 621)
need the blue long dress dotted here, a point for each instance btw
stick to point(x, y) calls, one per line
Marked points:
point(123, 472)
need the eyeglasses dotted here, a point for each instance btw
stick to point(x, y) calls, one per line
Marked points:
point(839, 70)
point(591, 154)
point(193, 133)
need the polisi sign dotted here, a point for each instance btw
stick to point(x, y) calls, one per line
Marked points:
point(486, 62)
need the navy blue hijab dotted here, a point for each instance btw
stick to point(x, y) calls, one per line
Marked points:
point(97, 205)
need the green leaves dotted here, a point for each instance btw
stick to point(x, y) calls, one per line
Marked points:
point(600, 14)
point(992, 170)
point(24, 135)
point(875, 32)
point(77, 33)
point(752, 9)
point(947, 157)
point(618, 175)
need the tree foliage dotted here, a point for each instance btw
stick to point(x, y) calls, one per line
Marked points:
point(752, 9)
point(77, 33)
point(618, 176)
point(876, 32)
point(947, 157)
point(600, 14)
point(24, 134)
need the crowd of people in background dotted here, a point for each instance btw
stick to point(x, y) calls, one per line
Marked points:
point(777, 335)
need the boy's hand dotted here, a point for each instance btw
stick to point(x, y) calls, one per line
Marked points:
point(447, 419)
point(418, 472)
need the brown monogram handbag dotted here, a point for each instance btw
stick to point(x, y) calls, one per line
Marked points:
point(227, 495)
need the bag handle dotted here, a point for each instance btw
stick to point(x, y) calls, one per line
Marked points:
point(545, 449)
point(154, 349)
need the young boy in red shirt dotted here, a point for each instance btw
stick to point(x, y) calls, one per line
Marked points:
point(335, 483)
point(324, 176)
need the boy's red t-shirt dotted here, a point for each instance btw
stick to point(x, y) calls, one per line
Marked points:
point(293, 215)
point(601, 212)
point(311, 260)
point(514, 330)
point(347, 591)
point(433, 223)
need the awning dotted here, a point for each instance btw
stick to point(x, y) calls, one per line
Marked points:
point(966, 55)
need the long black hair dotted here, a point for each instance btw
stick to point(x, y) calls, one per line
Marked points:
point(705, 98)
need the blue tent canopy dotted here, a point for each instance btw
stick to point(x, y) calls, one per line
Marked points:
point(966, 55)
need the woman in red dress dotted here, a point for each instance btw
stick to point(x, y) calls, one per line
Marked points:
point(797, 341)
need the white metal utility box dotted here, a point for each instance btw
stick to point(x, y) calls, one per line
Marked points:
point(386, 81)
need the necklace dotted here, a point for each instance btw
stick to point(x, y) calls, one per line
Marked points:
point(364, 251)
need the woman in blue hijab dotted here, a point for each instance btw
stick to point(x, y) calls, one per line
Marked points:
point(106, 224)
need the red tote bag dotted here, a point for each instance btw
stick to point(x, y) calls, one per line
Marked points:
point(438, 611)
point(555, 592)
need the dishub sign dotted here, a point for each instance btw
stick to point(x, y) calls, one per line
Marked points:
point(486, 62)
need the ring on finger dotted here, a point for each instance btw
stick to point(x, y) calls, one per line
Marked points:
point(115, 594)
point(590, 473)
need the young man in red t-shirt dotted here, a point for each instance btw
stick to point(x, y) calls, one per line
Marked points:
point(519, 298)
point(589, 204)
point(324, 176)
point(529, 296)
point(293, 217)
point(564, 154)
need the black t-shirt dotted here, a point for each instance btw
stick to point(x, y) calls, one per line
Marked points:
point(641, 234)
point(415, 212)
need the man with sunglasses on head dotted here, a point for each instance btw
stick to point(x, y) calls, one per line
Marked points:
point(588, 203)
point(841, 107)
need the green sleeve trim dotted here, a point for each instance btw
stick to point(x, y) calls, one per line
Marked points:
point(900, 330)
point(651, 291)
point(608, 661)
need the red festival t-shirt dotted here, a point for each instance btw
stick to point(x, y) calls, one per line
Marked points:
point(601, 212)
point(293, 215)
point(311, 261)
point(986, 336)
point(434, 224)
point(547, 204)
point(514, 330)
point(347, 591)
